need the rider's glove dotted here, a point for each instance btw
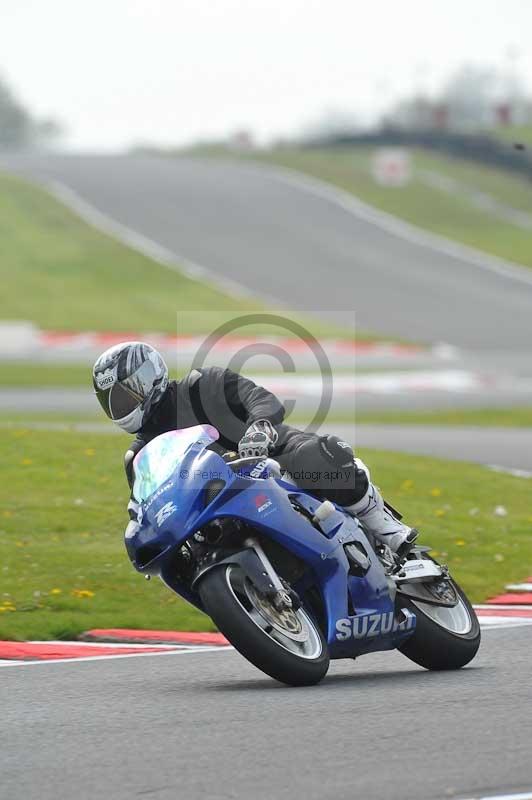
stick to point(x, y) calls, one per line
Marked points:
point(258, 440)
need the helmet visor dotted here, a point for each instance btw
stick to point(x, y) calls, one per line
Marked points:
point(122, 401)
point(118, 401)
point(124, 396)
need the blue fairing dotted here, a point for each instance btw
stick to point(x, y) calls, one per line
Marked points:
point(359, 613)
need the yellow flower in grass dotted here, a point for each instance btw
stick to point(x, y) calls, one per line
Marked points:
point(435, 492)
point(90, 451)
point(440, 512)
point(459, 542)
point(407, 485)
point(26, 462)
point(56, 591)
point(81, 593)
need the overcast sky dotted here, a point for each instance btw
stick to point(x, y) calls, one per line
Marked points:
point(118, 72)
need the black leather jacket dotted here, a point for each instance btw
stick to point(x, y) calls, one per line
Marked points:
point(213, 396)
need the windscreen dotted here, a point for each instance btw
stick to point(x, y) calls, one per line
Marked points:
point(159, 459)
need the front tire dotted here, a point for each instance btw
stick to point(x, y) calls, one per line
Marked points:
point(289, 647)
point(444, 638)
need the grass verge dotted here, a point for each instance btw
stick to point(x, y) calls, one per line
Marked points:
point(515, 133)
point(62, 274)
point(64, 568)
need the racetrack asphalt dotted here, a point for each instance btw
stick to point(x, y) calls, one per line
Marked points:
point(282, 238)
point(510, 448)
point(211, 726)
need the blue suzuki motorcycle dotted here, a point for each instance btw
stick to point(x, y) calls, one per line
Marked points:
point(290, 580)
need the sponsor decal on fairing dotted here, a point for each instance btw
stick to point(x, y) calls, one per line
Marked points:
point(367, 626)
point(157, 494)
point(258, 469)
point(263, 504)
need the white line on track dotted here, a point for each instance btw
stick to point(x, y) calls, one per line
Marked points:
point(118, 645)
point(148, 247)
point(397, 227)
point(517, 473)
point(490, 623)
point(520, 587)
point(512, 606)
point(520, 796)
point(169, 652)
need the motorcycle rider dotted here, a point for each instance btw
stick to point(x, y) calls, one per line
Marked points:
point(131, 383)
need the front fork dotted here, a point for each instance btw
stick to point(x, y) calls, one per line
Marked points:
point(277, 592)
point(256, 565)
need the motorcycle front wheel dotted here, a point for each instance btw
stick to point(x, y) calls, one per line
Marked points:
point(287, 645)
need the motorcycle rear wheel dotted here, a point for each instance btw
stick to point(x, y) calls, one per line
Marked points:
point(288, 646)
point(444, 638)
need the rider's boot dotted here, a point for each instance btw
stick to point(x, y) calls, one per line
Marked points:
point(379, 521)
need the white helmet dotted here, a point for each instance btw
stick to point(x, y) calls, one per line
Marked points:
point(129, 380)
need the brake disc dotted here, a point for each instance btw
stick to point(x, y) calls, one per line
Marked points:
point(286, 621)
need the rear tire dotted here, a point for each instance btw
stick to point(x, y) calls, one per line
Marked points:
point(436, 647)
point(226, 600)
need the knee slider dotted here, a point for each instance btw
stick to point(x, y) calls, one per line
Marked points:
point(337, 451)
point(340, 454)
point(354, 482)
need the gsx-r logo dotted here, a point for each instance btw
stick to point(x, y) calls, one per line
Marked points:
point(368, 625)
point(166, 511)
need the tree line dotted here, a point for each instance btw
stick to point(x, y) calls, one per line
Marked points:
point(18, 127)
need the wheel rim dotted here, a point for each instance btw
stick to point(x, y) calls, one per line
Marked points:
point(455, 619)
point(295, 631)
